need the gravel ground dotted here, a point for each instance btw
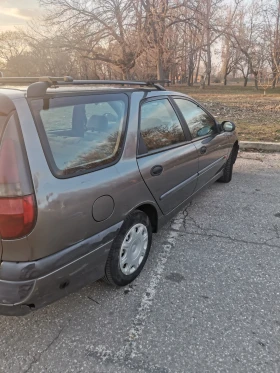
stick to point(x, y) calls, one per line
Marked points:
point(207, 300)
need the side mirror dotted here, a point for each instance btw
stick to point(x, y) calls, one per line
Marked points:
point(228, 126)
point(204, 131)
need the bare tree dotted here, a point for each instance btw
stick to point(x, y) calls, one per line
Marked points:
point(13, 47)
point(145, 39)
point(271, 35)
point(96, 27)
point(246, 37)
point(231, 58)
point(160, 16)
point(243, 66)
point(265, 80)
point(211, 32)
point(215, 25)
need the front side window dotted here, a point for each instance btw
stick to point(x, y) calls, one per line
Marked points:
point(82, 132)
point(159, 125)
point(199, 122)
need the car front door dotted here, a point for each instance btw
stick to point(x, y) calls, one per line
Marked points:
point(167, 159)
point(211, 144)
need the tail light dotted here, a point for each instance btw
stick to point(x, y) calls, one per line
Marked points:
point(17, 200)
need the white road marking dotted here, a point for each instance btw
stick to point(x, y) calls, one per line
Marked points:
point(129, 350)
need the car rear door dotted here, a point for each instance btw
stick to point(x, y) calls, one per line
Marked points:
point(211, 144)
point(167, 159)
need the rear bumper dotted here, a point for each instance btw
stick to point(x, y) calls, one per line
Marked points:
point(25, 287)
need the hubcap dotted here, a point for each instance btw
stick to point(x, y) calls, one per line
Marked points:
point(133, 249)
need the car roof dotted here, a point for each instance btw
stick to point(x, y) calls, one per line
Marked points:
point(14, 92)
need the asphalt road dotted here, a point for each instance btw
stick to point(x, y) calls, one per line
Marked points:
point(207, 301)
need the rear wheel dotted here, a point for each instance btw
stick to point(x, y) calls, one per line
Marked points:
point(129, 250)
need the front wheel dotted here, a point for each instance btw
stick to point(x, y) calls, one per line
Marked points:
point(227, 174)
point(129, 250)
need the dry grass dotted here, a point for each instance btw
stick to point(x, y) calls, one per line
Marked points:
point(257, 117)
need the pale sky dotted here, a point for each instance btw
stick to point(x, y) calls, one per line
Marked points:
point(17, 12)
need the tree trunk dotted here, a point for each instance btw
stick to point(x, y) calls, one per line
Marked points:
point(110, 73)
point(245, 81)
point(274, 78)
point(171, 75)
point(191, 70)
point(160, 75)
point(256, 81)
point(198, 66)
point(125, 72)
point(276, 49)
point(202, 82)
point(209, 8)
point(225, 79)
point(208, 70)
point(209, 59)
point(124, 75)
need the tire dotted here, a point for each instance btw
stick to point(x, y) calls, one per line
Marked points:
point(227, 174)
point(135, 236)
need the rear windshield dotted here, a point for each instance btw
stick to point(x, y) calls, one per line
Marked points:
point(80, 134)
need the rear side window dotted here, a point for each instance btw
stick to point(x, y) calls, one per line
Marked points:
point(82, 133)
point(160, 126)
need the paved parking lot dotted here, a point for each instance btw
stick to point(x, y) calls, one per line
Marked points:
point(208, 299)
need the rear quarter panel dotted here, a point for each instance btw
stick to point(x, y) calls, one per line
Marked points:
point(6, 107)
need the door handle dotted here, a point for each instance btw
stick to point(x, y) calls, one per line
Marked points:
point(156, 170)
point(203, 150)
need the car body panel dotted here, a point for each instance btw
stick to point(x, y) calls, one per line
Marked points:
point(25, 287)
point(166, 218)
point(73, 235)
point(69, 202)
point(178, 180)
point(31, 270)
point(213, 149)
point(65, 202)
point(217, 150)
point(23, 296)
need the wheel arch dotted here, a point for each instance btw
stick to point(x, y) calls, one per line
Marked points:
point(151, 211)
point(235, 150)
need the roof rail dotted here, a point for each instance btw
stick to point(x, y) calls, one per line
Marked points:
point(39, 85)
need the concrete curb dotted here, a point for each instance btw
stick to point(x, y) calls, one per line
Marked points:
point(262, 146)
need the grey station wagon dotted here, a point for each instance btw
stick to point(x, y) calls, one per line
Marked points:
point(88, 172)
